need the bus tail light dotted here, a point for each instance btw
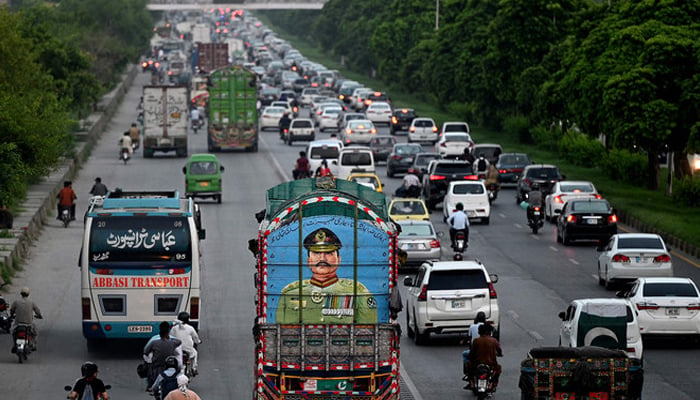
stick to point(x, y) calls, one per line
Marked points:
point(86, 308)
point(194, 308)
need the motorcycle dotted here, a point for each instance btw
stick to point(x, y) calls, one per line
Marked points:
point(492, 191)
point(65, 216)
point(196, 124)
point(535, 218)
point(481, 381)
point(22, 339)
point(460, 244)
point(5, 317)
point(124, 156)
point(187, 366)
point(69, 388)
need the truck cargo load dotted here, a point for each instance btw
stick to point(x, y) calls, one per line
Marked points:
point(327, 299)
point(211, 56)
point(165, 120)
point(233, 114)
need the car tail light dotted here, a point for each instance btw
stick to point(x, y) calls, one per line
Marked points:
point(395, 157)
point(412, 129)
point(630, 350)
point(647, 306)
point(194, 308)
point(372, 131)
point(492, 291)
point(612, 219)
point(597, 196)
point(620, 258)
point(318, 112)
point(423, 296)
point(557, 199)
point(502, 171)
point(443, 144)
point(434, 244)
point(394, 120)
point(341, 97)
point(170, 72)
point(157, 65)
point(435, 129)
point(572, 219)
point(471, 177)
point(368, 102)
point(21, 334)
point(348, 131)
point(664, 258)
point(437, 177)
point(144, 64)
point(693, 307)
point(85, 305)
point(537, 209)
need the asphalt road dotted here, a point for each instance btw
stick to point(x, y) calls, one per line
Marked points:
point(538, 277)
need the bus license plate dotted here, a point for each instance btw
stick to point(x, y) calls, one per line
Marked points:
point(673, 311)
point(140, 329)
point(458, 303)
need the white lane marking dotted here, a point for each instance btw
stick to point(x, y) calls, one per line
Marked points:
point(533, 334)
point(595, 277)
point(571, 260)
point(518, 226)
point(409, 383)
point(278, 166)
point(535, 237)
point(553, 248)
point(502, 215)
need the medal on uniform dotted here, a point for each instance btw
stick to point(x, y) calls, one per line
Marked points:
point(317, 296)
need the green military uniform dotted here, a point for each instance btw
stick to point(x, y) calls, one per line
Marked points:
point(329, 302)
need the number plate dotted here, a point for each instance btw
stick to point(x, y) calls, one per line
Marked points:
point(592, 221)
point(481, 385)
point(21, 342)
point(535, 213)
point(642, 260)
point(673, 311)
point(458, 303)
point(140, 329)
point(471, 213)
point(408, 246)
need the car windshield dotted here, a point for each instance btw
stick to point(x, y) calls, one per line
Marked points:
point(410, 149)
point(319, 153)
point(449, 168)
point(468, 188)
point(416, 230)
point(640, 243)
point(203, 168)
point(457, 137)
point(576, 187)
point(590, 206)
point(423, 123)
point(360, 125)
point(669, 290)
point(365, 179)
point(515, 159)
point(376, 106)
point(405, 113)
point(457, 279)
point(425, 160)
point(274, 110)
point(407, 208)
point(384, 141)
point(456, 128)
point(331, 110)
point(543, 173)
point(356, 159)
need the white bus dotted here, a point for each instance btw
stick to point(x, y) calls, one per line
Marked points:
point(140, 264)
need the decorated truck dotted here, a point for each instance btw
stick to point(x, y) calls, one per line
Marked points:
point(233, 114)
point(165, 120)
point(327, 299)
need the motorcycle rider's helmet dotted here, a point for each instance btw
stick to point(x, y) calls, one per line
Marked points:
point(171, 362)
point(184, 317)
point(88, 369)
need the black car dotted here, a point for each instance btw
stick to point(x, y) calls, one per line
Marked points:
point(381, 146)
point(401, 119)
point(268, 95)
point(420, 163)
point(439, 175)
point(376, 96)
point(401, 158)
point(589, 219)
point(544, 175)
point(510, 166)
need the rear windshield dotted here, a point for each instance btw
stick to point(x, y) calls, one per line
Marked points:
point(302, 124)
point(543, 173)
point(318, 153)
point(514, 159)
point(456, 128)
point(640, 243)
point(387, 141)
point(488, 152)
point(578, 187)
point(411, 149)
point(468, 188)
point(458, 279)
point(416, 230)
point(425, 160)
point(407, 208)
point(423, 123)
point(669, 290)
point(405, 114)
point(454, 168)
point(203, 168)
point(356, 159)
point(593, 206)
point(456, 137)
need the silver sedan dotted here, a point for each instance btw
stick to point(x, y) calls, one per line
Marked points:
point(420, 241)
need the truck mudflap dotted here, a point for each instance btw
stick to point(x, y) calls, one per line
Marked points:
point(327, 362)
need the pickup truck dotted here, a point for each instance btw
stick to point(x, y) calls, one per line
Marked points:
point(438, 176)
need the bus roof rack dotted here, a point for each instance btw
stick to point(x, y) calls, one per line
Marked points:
point(147, 199)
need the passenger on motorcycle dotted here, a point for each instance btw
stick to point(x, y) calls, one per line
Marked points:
point(182, 392)
point(135, 134)
point(472, 335)
point(188, 336)
point(284, 123)
point(458, 221)
point(125, 143)
point(99, 188)
point(482, 166)
point(22, 312)
point(410, 187)
point(323, 170)
point(484, 350)
point(166, 381)
point(302, 168)
point(492, 178)
point(156, 351)
point(89, 381)
point(66, 199)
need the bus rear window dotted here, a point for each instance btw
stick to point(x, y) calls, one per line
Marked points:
point(140, 239)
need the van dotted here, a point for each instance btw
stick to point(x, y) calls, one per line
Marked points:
point(203, 176)
point(320, 150)
point(354, 159)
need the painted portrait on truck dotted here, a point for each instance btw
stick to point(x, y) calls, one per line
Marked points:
point(327, 292)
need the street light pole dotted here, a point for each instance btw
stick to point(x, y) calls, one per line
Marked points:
point(437, 14)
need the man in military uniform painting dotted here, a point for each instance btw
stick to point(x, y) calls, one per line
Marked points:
point(325, 298)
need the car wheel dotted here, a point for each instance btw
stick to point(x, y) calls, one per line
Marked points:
point(411, 333)
point(558, 235)
point(419, 338)
point(218, 199)
point(517, 197)
point(389, 172)
point(607, 282)
point(565, 238)
point(601, 281)
point(289, 141)
point(486, 220)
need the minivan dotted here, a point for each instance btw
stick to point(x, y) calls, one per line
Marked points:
point(203, 176)
point(354, 159)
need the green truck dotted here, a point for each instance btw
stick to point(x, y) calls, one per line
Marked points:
point(233, 114)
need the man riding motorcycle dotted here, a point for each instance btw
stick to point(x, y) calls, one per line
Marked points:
point(188, 336)
point(302, 168)
point(284, 123)
point(125, 143)
point(23, 312)
point(458, 221)
point(534, 199)
point(484, 350)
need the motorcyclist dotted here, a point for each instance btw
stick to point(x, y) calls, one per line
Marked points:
point(484, 350)
point(410, 187)
point(534, 199)
point(302, 169)
point(97, 387)
point(458, 221)
point(482, 165)
point(66, 199)
point(492, 178)
point(99, 188)
point(188, 336)
point(195, 116)
point(284, 123)
point(23, 312)
point(135, 134)
point(473, 334)
point(125, 143)
point(182, 392)
point(156, 351)
point(323, 170)
point(167, 379)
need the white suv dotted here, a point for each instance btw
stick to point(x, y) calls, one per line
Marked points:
point(445, 297)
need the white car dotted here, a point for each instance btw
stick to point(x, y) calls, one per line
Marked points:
point(270, 117)
point(453, 144)
point(329, 118)
point(357, 98)
point(474, 198)
point(308, 94)
point(358, 131)
point(665, 306)
point(320, 150)
point(422, 130)
point(628, 256)
point(609, 323)
point(445, 296)
point(454, 126)
point(567, 190)
point(354, 159)
point(379, 112)
point(316, 115)
point(300, 129)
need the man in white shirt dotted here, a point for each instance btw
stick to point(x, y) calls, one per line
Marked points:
point(188, 336)
point(458, 221)
point(410, 187)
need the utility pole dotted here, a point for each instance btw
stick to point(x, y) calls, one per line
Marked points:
point(437, 14)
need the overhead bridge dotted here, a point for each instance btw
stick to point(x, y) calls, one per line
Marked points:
point(174, 5)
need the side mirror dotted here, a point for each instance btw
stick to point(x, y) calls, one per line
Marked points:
point(621, 294)
point(407, 281)
point(221, 168)
point(563, 177)
point(562, 316)
point(494, 278)
point(334, 162)
point(184, 169)
point(202, 234)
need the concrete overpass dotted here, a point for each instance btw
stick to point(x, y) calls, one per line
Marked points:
point(173, 5)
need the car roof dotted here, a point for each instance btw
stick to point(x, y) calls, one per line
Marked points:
point(203, 157)
point(397, 199)
point(531, 166)
point(637, 235)
point(414, 222)
point(423, 119)
point(668, 279)
point(452, 265)
point(467, 182)
point(605, 300)
point(302, 119)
